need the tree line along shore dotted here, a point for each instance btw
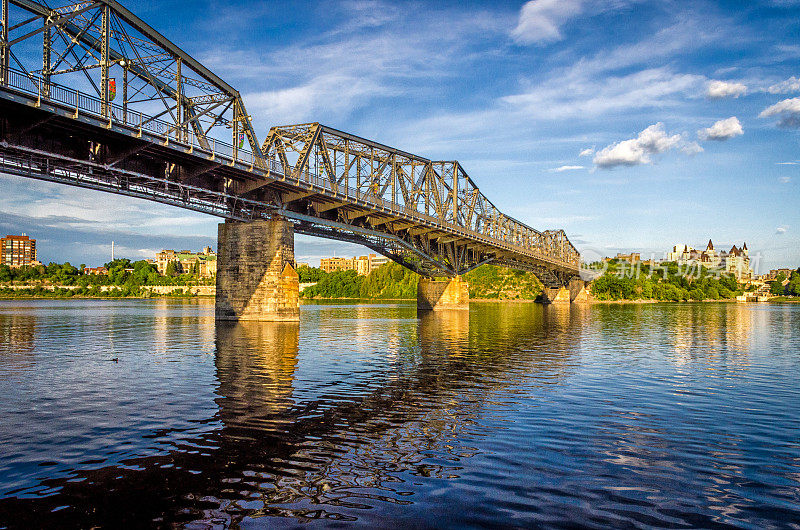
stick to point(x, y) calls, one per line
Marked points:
point(125, 279)
point(619, 282)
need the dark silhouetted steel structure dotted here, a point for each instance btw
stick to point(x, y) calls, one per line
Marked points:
point(180, 135)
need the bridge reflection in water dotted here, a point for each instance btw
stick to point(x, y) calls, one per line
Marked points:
point(378, 414)
point(278, 453)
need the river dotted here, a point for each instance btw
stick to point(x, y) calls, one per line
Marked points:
point(147, 413)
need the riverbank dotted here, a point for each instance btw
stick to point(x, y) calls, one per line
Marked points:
point(785, 300)
point(16, 292)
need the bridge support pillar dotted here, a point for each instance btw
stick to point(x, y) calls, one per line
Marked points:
point(437, 295)
point(556, 295)
point(579, 291)
point(256, 279)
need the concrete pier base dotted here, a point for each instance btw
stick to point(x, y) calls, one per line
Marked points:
point(579, 291)
point(256, 279)
point(556, 295)
point(438, 295)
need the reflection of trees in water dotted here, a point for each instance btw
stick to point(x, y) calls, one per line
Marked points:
point(17, 341)
point(273, 456)
point(718, 335)
point(714, 334)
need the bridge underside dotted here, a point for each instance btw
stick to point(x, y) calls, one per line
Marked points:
point(45, 140)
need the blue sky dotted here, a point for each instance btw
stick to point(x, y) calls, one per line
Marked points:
point(633, 125)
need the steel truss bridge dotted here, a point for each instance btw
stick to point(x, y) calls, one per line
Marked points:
point(92, 96)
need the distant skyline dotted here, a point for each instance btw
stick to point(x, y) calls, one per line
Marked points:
point(634, 125)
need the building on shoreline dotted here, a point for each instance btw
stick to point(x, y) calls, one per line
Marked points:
point(736, 261)
point(774, 273)
point(363, 265)
point(205, 262)
point(633, 258)
point(18, 251)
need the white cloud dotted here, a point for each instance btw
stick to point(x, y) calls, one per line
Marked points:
point(723, 89)
point(785, 180)
point(400, 53)
point(636, 151)
point(781, 230)
point(788, 163)
point(574, 94)
point(302, 103)
point(788, 110)
point(785, 87)
point(589, 151)
point(722, 130)
point(691, 148)
point(541, 20)
point(566, 168)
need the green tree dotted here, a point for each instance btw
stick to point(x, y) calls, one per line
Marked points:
point(310, 274)
point(793, 289)
point(776, 287)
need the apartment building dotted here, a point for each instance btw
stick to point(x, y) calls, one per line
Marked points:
point(18, 251)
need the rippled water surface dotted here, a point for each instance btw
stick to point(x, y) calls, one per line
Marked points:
point(147, 413)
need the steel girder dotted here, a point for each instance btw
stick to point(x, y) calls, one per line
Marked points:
point(409, 188)
point(158, 85)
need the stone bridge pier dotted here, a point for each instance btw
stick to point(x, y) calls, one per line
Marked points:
point(256, 279)
point(436, 294)
point(576, 291)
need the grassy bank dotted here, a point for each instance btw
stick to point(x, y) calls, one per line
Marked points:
point(394, 282)
point(83, 292)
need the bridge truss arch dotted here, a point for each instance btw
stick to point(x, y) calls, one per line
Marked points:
point(63, 119)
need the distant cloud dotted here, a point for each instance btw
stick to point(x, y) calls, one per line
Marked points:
point(566, 168)
point(785, 87)
point(781, 230)
point(788, 163)
point(691, 148)
point(788, 110)
point(541, 20)
point(785, 180)
point(589, 151)
point(724, 89)
point(636, 151)
point(580, 92)
point(722, 130)
point(343, 92)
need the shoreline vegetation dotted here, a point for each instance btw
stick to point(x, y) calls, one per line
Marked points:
point(125, 279)
point(620, 283)
point(671, 282)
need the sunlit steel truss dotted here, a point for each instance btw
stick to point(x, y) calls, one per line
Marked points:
point(432, 205)
point(144, 79)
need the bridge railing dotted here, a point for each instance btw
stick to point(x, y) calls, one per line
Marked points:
point(81, 102)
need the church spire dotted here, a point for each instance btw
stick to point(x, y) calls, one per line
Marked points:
point(710, 245)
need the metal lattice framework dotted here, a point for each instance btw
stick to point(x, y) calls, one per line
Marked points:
point(144, 79)
point(432, 205)
point(164, 139)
